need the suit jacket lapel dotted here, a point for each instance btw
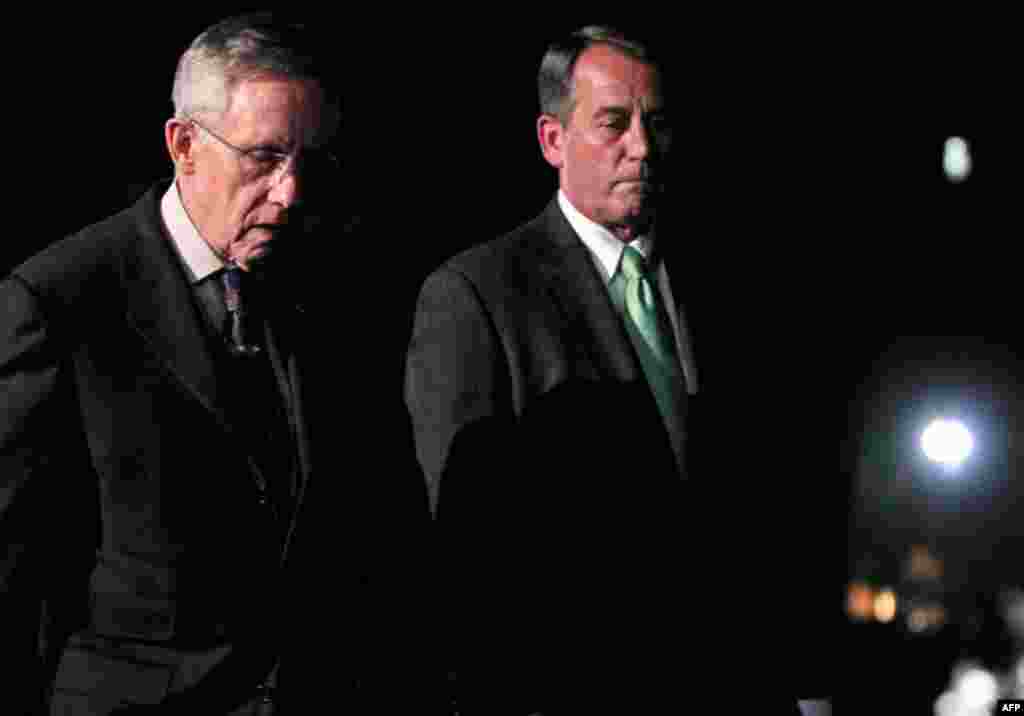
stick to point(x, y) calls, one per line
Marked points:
point(281, 343)
point(162, 308)
point(282, 338)
point(583, 297)
point(675, 261)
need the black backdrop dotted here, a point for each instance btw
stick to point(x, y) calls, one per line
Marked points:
point(807, 171)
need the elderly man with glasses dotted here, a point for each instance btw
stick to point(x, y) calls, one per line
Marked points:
point(154, 442)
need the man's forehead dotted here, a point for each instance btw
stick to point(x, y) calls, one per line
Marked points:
point(611, 74)
point(273, 92)
point(274, 105)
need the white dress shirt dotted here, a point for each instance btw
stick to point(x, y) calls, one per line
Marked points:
point(199, 259)
point(606, 251)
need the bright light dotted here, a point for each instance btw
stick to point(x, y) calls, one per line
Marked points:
point(947, 442)
point(885, 606)
point(956, 159)
point(948, 704)
point(978, 688)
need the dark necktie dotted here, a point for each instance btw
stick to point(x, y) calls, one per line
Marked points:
point(237, 329)
point(258, 402)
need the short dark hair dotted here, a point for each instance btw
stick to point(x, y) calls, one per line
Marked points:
point(554, 81)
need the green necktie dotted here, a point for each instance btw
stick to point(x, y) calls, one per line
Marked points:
point(651, 334)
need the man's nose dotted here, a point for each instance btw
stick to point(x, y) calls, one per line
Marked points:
point(638, 141)
point(287, 187)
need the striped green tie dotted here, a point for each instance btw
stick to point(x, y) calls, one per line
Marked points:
point(651, 334)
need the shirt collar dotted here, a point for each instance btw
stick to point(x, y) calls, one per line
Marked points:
point(603, 244)
point(199, 258)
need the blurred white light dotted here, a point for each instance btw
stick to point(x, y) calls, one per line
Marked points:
point(947, 442)
point(956, 159)
point(948, 704)
point(978, 689)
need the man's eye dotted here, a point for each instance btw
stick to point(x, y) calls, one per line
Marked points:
point(266, 156)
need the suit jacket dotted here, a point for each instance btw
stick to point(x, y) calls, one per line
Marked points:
point(569, 541)
point(135, 526)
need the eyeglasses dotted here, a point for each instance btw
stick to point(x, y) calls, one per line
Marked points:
point(261, 162)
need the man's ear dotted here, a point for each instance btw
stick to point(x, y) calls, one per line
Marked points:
point(180, 145)
point(551, 135)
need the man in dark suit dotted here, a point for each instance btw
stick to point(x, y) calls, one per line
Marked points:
point(552, 384)
point(154, 442)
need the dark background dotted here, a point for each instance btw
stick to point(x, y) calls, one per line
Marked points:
point(844, 283)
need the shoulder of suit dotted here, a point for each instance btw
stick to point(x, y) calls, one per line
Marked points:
point(69, 273)
point(510, 256)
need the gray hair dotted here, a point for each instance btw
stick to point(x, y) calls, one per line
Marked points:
point(555, 79)
point(237, 49)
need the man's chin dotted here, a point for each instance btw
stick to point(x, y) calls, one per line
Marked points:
point(257, 246)
point(638, 222)
point(639, 212)
point(255, 257)
point(639, 201)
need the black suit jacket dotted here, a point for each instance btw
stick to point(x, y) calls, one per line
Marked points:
point(574, 553)
point(134, 523)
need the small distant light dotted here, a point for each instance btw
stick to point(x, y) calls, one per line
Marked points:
point(860, 601)
point(923, 565)
point(918, 620)
point(926, 618)
point(956, 159)
point(885, 606)
point(947, 442)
